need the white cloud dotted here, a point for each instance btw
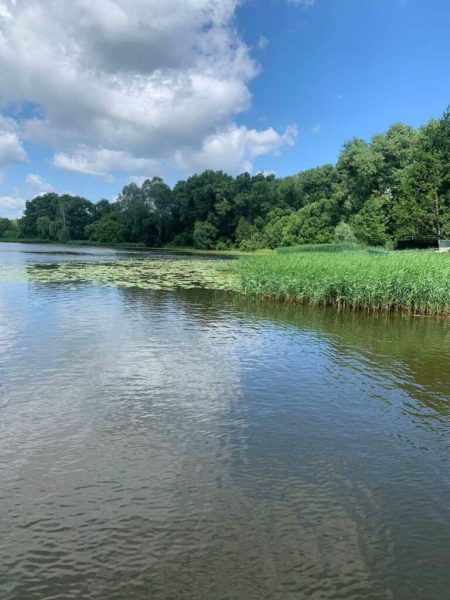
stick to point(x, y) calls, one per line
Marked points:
point(234, 148)
point(4, 11)
point(37, 185)
point(316, 128)
point(11, 206)
point(262, 43)
point(137, 179)
point(120, 82)
point(101, 162)
point(11, 149)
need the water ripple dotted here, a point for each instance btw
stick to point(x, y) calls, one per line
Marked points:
point(189, 444)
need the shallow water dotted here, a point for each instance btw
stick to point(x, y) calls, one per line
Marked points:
point(187, 443)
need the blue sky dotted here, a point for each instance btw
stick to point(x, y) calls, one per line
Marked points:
point(98, 96)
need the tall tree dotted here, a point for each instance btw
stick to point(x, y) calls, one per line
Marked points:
point(425, 206)
point(159, 200)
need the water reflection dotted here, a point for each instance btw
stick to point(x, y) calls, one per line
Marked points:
point(414, 351)
point(192, 444)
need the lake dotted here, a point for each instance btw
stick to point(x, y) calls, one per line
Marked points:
point(178, 441)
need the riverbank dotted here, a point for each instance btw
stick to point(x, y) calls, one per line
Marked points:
point(182, 250)
point(416, 282)
point(350, 277)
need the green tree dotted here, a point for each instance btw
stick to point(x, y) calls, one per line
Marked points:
point(43, 227)
point(358, 168)
point(312, 185)
point(159, 200)
point(5, 224)
point(71, 212)
point(105, 231)
point(41, 206)
point(344, 234)
point(424, 210)
point(13, 229)
point(75, 213)
point(205, 235)
point(243, 230)
point(370, 223)
point(103, 208)
point(63, 234)
point(133, 213)
point(54, 229)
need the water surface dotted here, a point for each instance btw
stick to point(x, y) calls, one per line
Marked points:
point(186, 443)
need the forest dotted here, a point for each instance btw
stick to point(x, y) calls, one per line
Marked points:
point(394, 187)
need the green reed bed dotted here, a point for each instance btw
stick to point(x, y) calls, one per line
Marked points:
point(412, 282)
point(320, 248)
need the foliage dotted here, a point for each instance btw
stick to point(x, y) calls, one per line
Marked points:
point(9, 228)
point(394, 186)
point(205, 235)
point(5, 224)
point(251, 245)
point(344, 234)
point(425, 206)
point(105, 231)
point(55, 217)
point(371, 222)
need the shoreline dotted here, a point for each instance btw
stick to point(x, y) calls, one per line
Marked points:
point(414, 283)
point(186, 250)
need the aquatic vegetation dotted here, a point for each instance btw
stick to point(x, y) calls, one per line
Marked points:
point(141, 273)
point(353, 247)
point(412, 282)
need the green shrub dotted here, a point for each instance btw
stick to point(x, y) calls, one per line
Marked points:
point(205, 235)
point(105, 231)
point(344, 234)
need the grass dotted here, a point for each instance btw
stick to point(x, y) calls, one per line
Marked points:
point(327, 248)
point(231, 252)
point(415, 282)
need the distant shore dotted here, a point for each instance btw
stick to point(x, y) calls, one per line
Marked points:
point(189, 250)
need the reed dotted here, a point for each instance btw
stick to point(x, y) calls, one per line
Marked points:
point(415, 282)
point(320, 248)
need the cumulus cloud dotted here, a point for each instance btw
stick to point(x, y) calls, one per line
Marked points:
point(11, 148)
point(233, 149)
point(11, 206)
point(37, 185)
point(129, 83)
point(4, 11)
point(102, 162)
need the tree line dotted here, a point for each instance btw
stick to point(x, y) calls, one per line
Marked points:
point(394, 187)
